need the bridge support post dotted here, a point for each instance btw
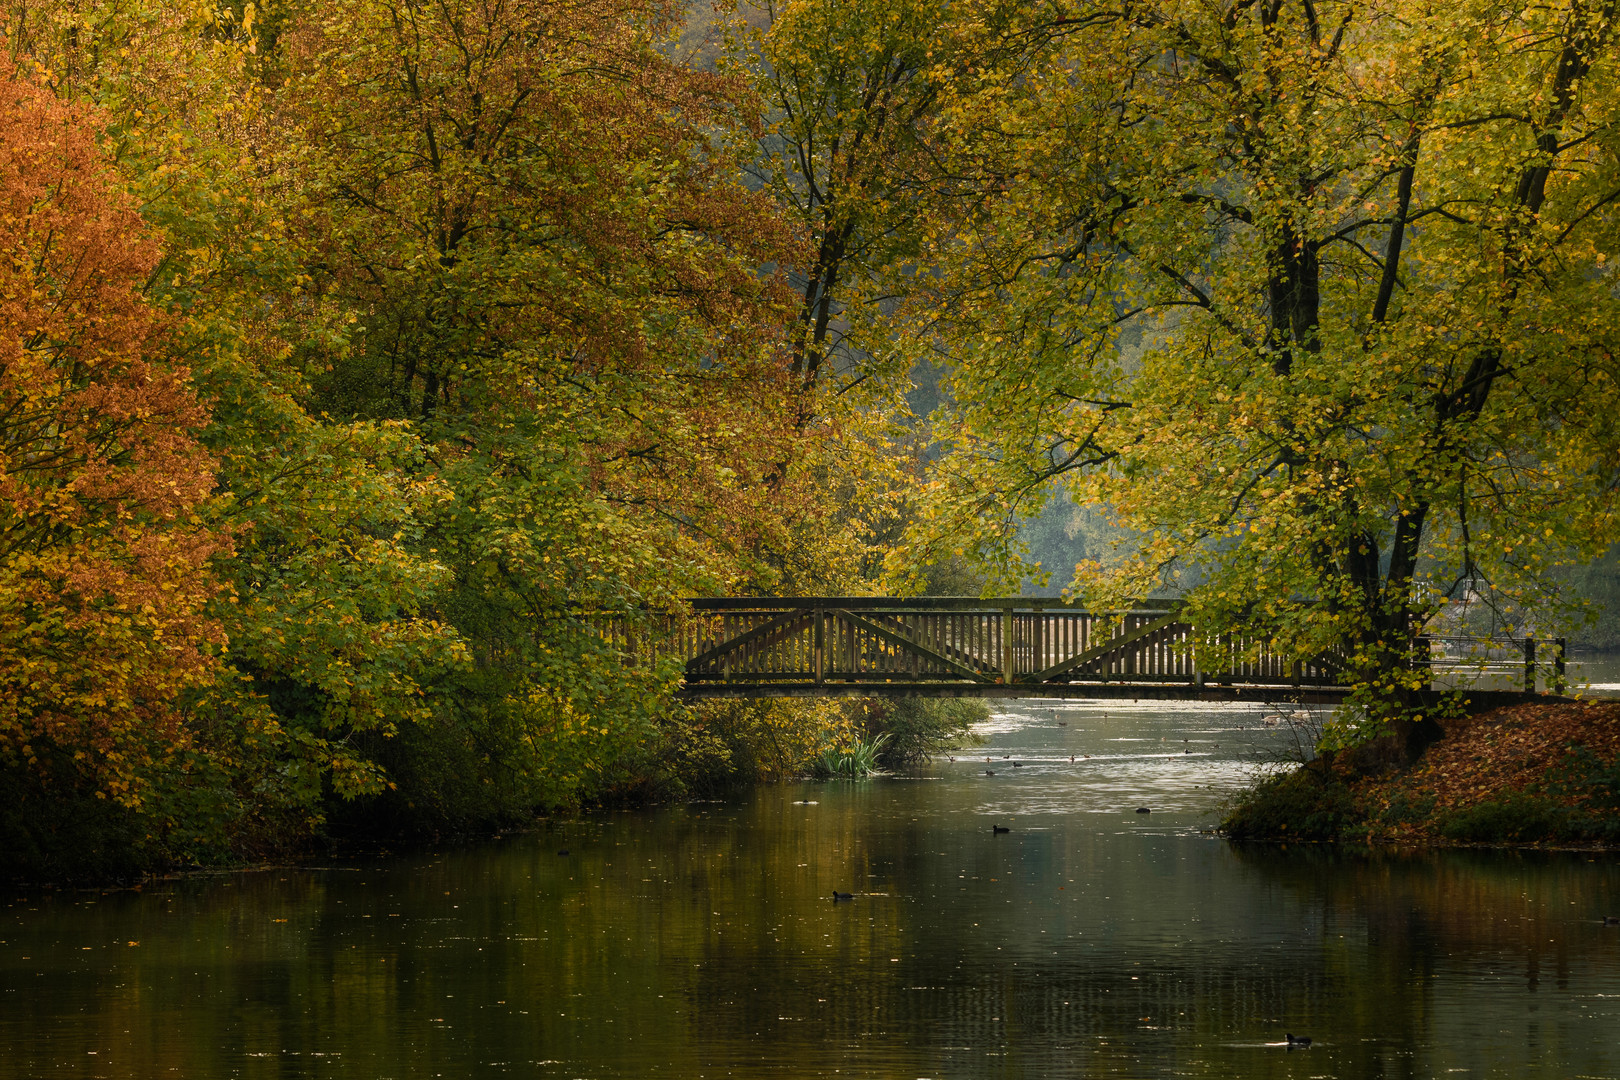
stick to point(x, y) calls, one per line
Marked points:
point(1560, 685)
point(821, 646)
point(1007, 644)
point(1529, 665)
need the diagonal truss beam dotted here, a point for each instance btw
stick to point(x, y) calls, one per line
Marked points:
point(961, 656)
point(905, 642)
point(784, 622)
point(1097, 652)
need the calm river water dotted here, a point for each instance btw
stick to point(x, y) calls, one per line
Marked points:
point(702, 941)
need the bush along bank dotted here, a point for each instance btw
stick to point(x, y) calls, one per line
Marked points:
point(1524, 774)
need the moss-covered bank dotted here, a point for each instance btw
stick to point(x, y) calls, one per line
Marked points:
point(1525, 774)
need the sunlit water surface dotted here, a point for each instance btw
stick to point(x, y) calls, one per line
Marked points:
point(703, 941)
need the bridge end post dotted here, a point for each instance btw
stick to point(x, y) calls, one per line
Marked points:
point(1529, 665)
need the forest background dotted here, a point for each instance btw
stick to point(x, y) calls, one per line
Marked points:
point(354, 351)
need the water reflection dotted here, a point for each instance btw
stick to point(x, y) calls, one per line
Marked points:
point(702, 941)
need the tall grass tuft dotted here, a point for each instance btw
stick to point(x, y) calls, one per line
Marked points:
point(853, 762)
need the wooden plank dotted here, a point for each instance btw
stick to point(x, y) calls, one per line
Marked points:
point(821, 647)
point(1007, 645)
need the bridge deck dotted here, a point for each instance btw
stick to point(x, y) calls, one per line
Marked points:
point(1005, 647)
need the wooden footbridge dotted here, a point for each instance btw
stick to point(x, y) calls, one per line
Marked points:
point(949, 646)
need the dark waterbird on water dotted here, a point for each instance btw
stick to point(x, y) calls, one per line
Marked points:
point(1611, 920)
point(837, 896)
point(989, 772)
point(1143, 810)
point(1300, 1041)
point(564, 851)
point(1018, 764)
point(999, 829)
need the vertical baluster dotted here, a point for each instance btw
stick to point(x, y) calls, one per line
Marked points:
point(835, 632)
point(839, 665)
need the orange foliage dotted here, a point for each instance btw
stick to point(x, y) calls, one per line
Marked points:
point(1491, 757)
point(103, 560)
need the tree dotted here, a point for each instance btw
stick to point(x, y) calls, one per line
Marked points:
point(104, 575)
point(528, 228)
point(849, 88)
point(1315, 296)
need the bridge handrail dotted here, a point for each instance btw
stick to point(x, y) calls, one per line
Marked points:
point(926, 603)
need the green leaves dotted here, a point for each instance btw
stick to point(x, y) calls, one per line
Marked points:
point(1321, 313)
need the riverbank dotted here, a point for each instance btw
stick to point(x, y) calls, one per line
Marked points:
point(1524, 775)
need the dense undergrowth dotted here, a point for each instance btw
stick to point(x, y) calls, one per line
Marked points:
point(63, 832)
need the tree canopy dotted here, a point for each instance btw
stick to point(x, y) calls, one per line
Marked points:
point(1315, 297)
point(354, 355)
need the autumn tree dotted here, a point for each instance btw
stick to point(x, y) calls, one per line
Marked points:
point(1317, 297)
point(851, 89)
point(529, 233)
point(325, 589)
point(104, 576)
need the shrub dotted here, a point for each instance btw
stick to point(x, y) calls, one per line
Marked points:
point(1522, 816)
point(918, 728)
point(1302, 804)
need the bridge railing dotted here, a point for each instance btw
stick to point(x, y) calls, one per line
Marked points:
point(1003, 645)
